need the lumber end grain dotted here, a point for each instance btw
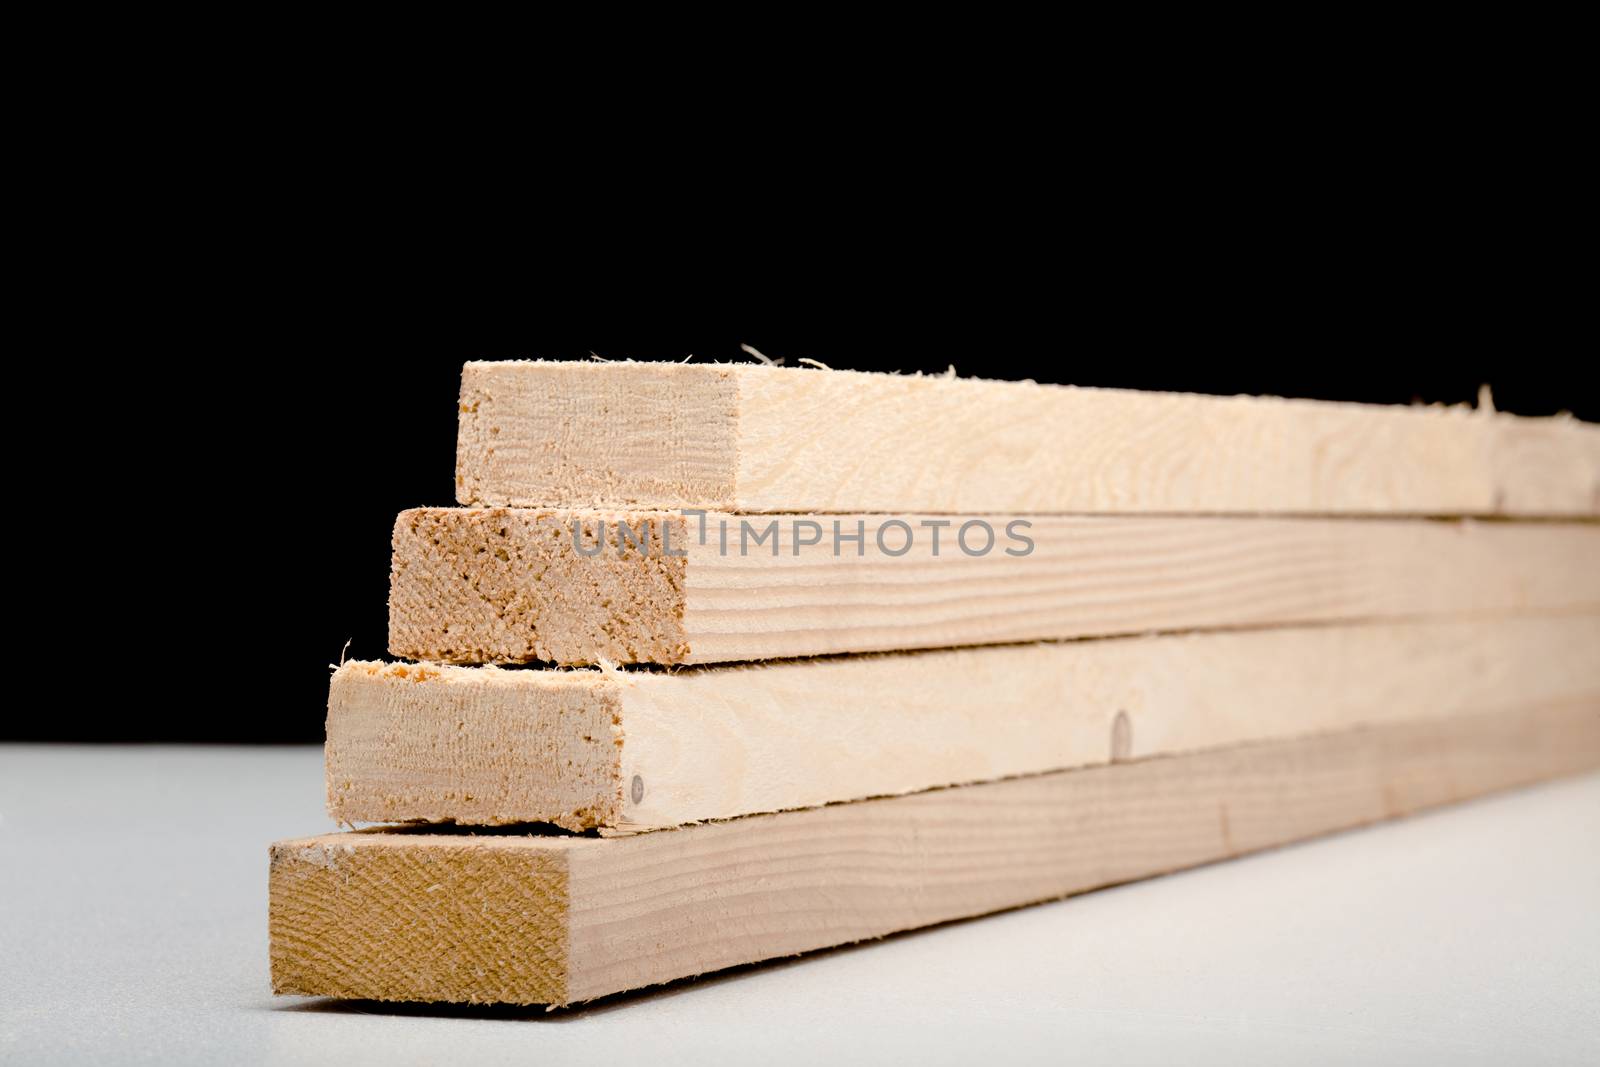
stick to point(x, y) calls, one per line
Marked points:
point(659, 435)
point(512, 585)
point(344, 909)
point(415, 742)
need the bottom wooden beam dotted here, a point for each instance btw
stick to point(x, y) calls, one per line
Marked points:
point(546, 918)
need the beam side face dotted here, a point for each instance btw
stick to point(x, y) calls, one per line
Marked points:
point(753, 439)
point(512, 585)
point(845, 441)
point(650, 749)
point(678, 903)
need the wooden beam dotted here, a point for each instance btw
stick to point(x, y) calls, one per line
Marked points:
point(505, 585)
point(641, 749)
point(752, 438)
point(528, 919)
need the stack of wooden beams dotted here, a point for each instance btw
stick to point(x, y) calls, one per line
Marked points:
point(708, 667)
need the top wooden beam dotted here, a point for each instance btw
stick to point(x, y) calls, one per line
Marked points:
point(756, 438)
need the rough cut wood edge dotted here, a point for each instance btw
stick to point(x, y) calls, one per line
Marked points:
point(638, 750)
point(508, 585)
point(412, 741)
point(555, 920)
point(752, 438)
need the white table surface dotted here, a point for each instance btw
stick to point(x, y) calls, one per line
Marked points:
point(133, 928)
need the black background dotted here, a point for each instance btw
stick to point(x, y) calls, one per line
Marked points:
point(237, 318)
point(262, 422)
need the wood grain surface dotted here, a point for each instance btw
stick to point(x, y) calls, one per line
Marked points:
point(509, 585)
point(754, 438)
point(629, 750)
point(531, 919)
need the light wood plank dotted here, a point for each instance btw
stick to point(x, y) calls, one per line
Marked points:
point(753, 438)
point(507, 585)
point(642, 749)
point(554, 920)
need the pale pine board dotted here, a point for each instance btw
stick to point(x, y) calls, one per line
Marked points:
point(555, 919)
point(642, 749)
point(506, 585)
point(753, 438)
